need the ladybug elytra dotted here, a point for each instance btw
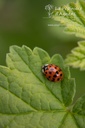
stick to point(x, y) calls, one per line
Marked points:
point(52, 72)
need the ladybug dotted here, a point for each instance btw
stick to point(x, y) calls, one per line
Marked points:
point(52, 72)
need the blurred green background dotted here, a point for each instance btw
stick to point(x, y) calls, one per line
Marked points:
point(25, 22)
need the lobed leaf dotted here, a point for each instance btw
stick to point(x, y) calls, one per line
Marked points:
point(77, 56)
point(72, 16)
point(79, 112)
point(28, 99)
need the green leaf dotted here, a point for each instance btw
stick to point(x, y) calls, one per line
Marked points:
point(77, 56)
point(79, 112)
point(27, 98)
point(72, 16)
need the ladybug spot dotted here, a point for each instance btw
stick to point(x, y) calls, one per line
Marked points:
point(54, 76)
point(56, 72)
point(60, 74)
point(49, 77)
point(45, 72)
point(55, 67)
point(58, 79)
point(50, 66)
point(53, 79)
point(50, 72)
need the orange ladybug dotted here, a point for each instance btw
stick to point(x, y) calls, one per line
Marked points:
point(52, 72)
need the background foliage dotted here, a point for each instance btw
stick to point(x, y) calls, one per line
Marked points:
point(24, 22)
